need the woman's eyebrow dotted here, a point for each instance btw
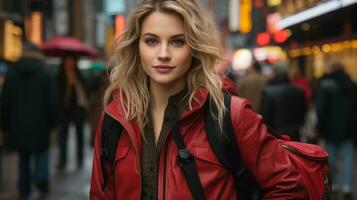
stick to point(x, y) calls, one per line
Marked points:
point(173, 36)
point(178, 35)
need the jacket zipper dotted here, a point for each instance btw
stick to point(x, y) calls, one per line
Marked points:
point(136, 151)
point(303, 155)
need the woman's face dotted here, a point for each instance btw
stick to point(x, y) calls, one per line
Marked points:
point(165, 55)
point(69, 64)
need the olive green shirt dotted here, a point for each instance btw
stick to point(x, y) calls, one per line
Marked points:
point(151, 151)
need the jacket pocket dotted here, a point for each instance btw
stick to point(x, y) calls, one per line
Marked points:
point(306, 151)
point(204, 153)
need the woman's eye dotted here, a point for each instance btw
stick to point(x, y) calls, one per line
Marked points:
point(151, 41)
point(178, 42)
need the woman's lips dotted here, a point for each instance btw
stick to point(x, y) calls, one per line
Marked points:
point(164, 68)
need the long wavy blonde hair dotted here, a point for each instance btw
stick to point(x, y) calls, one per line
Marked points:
point(129, 78)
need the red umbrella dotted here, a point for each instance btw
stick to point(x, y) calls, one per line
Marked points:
point(60, 46)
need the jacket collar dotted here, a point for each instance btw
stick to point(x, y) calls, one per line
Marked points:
point(116, 110)
point(200, 98)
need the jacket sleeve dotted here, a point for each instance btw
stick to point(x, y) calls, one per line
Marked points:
point(96, 191)
point(264, 156)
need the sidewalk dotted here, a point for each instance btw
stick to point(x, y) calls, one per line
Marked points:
point(70, 184)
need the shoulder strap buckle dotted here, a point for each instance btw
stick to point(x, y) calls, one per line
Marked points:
point(184, 157)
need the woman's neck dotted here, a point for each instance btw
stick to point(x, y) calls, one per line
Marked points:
point(160, 94)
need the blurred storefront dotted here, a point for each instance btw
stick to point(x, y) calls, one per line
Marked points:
point(307, 33)
point(11, 30)
point(245, 21)
point(10, 40)
point(252, 26)
point(321, 32)
point(19, 20)
point(315, 56)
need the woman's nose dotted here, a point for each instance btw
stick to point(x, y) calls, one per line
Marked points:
point(164, 54)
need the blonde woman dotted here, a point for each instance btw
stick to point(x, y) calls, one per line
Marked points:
point(165, 74)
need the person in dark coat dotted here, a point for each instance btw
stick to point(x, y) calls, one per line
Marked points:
point(354, 115)
point(252, 85)
point(28, 106)
point(73, 103)
point(3, 68)
point(283, 104)
point(334, 106)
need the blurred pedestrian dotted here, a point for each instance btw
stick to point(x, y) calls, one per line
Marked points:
point(334, 110)
point(3, 68)
point(165, 75)
point(283, 104)
point(251, 86)
point(28, 107)
point(297, 78)
point(1, 151)
point(354, 114)
point(97, 83)
point(73, 103)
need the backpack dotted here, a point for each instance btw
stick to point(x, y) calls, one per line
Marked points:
point(311, 160)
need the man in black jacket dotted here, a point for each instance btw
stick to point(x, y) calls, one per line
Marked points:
point(283, 105)
point(334, 106)
point(28, 115)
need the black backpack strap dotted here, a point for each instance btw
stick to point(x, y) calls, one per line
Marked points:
point(188, 165)
point(226, 149)
point(223, 142)
point(111, 131)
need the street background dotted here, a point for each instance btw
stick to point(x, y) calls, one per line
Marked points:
point(310, 40)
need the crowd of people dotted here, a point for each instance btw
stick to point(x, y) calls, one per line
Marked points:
point(286, 100)
point(36, 103)
point(161, 84)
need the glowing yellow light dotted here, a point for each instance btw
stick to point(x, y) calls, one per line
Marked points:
point(246, 16)
point(12, 41)
point(295, 53)
point(336, 47)
point(326, 48)
point(354, 44)
point(318, 66)
point(306, 51)
point(36, 27)
point(110, 37)
point(346, 44)
point(316, 49)
point(272, 3)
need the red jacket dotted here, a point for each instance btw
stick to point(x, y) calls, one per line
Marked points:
point(262, 154)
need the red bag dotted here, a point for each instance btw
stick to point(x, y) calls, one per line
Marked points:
point(312, 161)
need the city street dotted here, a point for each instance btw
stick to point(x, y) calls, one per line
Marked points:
point(70, 184)
point(63, 62)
